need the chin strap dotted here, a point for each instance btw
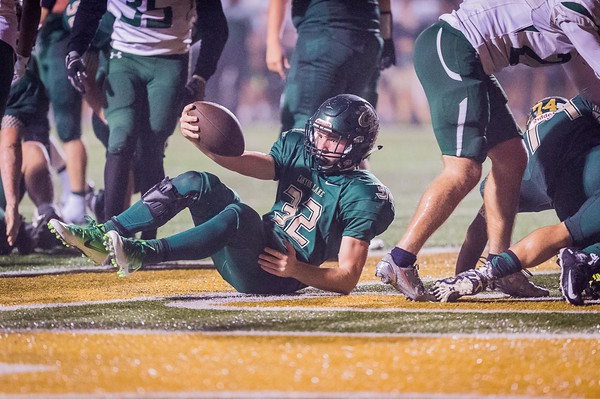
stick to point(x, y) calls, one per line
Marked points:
point(379, 147)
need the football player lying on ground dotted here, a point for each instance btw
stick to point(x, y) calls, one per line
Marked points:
point(563, 142)
point(325, 207)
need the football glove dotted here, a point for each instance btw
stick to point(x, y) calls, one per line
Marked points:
point(194, 89)
point(76, 71)
point(20, 67)
point(388, 56)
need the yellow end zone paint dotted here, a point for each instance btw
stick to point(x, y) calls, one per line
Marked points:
point(140, 362)
point(80, 287)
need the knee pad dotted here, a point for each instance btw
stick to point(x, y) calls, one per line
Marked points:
point(164, 201)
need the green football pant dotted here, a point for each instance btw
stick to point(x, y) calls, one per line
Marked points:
point(469, 111)
point(227, 230)
point(325, 64)
point(65, 100)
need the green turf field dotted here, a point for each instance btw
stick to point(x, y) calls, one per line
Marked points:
point(69, 329)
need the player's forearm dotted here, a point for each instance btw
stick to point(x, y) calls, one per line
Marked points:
point(213, 30)
point(251, 163)
point(11, 160)
point(385, 6)
point(30, 19)
point(86, 24)
point(336, 279)
point(385, 10)
point(275, 18)
point(342, 279)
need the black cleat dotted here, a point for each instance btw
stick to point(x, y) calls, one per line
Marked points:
point(576, 273)
point(42, 235)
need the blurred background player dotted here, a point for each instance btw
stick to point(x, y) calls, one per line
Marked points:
point(340, 48)
point(24, 162)
point(66, 107)
point(17, 36)
point(563, 142)
point(146, 74)
point(455, 60)
point(325, 207)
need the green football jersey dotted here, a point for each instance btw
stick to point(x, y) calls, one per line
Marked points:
point(314, 211)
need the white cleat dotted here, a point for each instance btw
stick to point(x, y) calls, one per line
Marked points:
point(404, 279)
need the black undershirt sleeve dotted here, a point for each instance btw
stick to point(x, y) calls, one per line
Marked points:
point(86, 24)
point(211, 28)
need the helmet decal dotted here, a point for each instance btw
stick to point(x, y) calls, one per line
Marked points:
point(366, 118)
point(544, 109)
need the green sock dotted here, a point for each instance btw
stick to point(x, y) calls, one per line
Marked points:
point(505, 264)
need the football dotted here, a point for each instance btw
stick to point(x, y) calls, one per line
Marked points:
point(220, 131)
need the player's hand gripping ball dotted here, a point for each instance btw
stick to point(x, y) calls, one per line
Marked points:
point(220, 131)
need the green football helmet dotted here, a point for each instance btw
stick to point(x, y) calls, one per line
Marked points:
point(355, 124)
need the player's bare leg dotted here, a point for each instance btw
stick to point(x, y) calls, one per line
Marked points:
point(38, 183)
point(38, 179)
point(502, 190)
point(542, 244)
point(447, 190)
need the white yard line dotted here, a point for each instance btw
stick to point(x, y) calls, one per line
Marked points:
point(319, 334)
point(221, 301)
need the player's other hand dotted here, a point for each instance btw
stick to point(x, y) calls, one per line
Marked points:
point(195, 89)
point(388, 55)
point(13, 224)
point(276, 60)
point(278, 263)
point(76, 71)
point(187, 125)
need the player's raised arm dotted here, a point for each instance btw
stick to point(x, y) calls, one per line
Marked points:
point(275, 58)
point(250, 163)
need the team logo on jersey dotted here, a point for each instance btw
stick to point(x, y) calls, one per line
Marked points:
point(536, 121)
point(116, 54)
point(383, 193)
